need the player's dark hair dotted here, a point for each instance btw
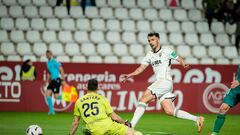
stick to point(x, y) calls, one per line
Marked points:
point(48, 51)
point(26, 62)
point(153, 34)
point(92, 84)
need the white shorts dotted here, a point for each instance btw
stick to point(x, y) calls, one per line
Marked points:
point(162, 89)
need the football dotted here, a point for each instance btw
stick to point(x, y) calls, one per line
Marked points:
point(34, 130)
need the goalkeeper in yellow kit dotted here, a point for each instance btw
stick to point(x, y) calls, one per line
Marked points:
point(97, 115)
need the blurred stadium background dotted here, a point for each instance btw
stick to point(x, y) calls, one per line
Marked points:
point(112, 32)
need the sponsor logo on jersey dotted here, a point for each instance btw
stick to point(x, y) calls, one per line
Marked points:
point(157, 62)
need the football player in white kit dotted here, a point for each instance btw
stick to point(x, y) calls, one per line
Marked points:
point(160, 59)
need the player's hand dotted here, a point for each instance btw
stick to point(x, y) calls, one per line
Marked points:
point(127, 123)
point(125, 77)
point(46, 83)
point(64, 82)
point(234, 84)
point(186, 66)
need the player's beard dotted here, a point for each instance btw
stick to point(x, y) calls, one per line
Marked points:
point(153, 48)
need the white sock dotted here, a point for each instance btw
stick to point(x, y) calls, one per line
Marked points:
point(138, 113)
point(184, 115)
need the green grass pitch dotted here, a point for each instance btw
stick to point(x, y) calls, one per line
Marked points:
point(15, 123)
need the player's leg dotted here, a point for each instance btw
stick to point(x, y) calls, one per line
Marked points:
point(167, 106)
point(220, 118)
point(57, 86)
point(57, 95)
point(230, 100)
point(114, 128)
point(144, 100)
point(120, 129)
point(130, 131)
point(49, 101)
point(49, 97)
point(169, 109)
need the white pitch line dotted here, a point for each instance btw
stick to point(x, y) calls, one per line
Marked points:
point(157, 132)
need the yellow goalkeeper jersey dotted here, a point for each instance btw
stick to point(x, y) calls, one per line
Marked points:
point(92, 107)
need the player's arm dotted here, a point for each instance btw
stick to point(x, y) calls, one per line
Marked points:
point(117, 118)
point(182, 62)
point(109, 111)
point(234, 84)
point(48, 77)
point(58, 65)
point(62, 74)
point(75, 123)
point(236, 80)
point(173, 55)
point(137, 71)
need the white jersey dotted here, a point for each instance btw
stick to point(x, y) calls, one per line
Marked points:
point(161, 62)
